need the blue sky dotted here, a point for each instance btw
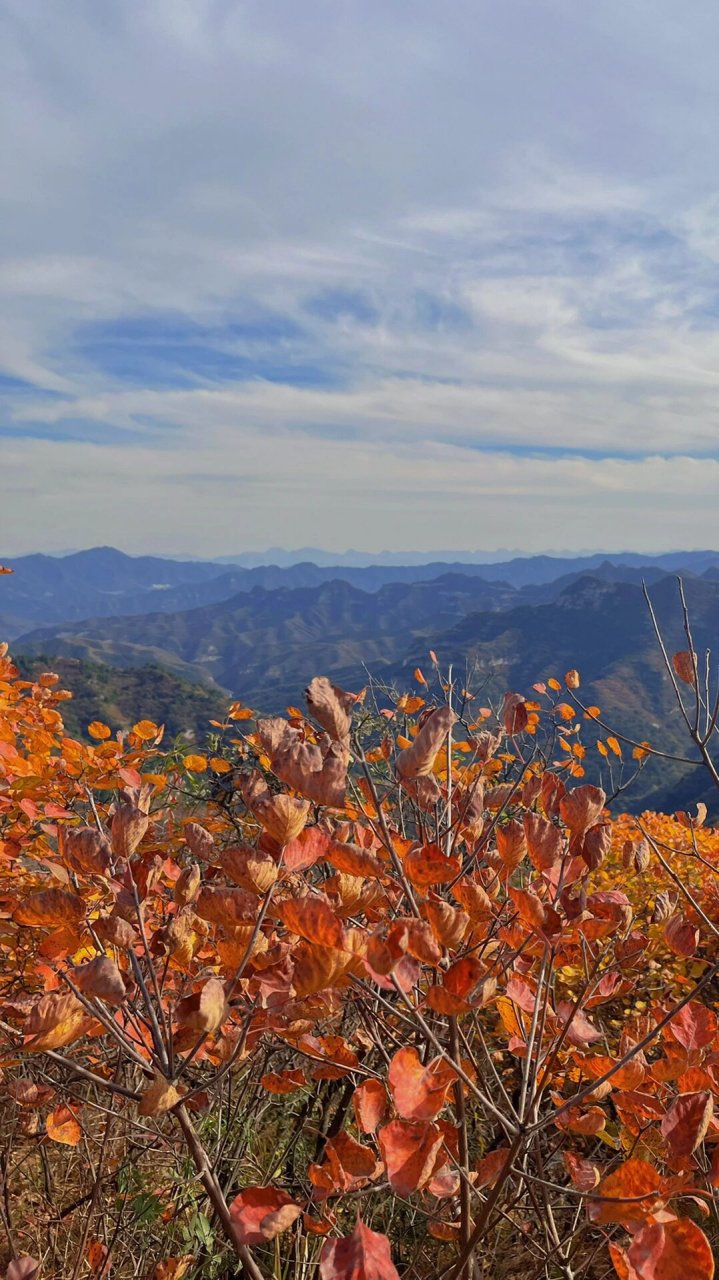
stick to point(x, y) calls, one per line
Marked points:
point(381, 273)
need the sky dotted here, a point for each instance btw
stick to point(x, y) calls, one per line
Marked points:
point(373, 273)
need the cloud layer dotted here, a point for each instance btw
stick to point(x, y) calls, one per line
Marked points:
point(368, 274)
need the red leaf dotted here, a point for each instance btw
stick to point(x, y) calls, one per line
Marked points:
point(694, 1026)
point(260, 1213)
point(685, 1124)
point(683, 663)
point(365, 1255)
point(490, 1167)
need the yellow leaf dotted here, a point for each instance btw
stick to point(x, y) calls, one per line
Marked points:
point(196, 763)
point(62, 1126)
point(145, 730)
point(99, 730)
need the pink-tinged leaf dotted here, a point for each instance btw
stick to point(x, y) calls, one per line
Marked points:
point(675, 1250)
point(365, 1255)
point(309, 847)
point(580, 1031)
point(23, 1269)
point(681, 936)
point(261, 1213)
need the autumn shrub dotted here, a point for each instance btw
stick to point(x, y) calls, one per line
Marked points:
point(370, 990)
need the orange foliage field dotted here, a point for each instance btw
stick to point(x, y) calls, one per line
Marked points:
point(363, 992)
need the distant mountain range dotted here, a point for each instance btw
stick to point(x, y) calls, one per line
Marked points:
point(261, 633)
point(103, 582)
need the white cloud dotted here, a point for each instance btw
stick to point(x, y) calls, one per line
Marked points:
point(520, 198)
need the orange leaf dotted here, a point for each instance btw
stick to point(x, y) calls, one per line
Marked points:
point(196, 763)
point(418, 1092)
point(283, 1081)
point(56, 1021)
point(429, 865)
point(205, 1010)
point(675, 1250)
point(62, 1126)
point(312, 919)
point(99, 730)
point(102, 979)
point(627, 1195)
point(50, 907)
point(490, 1167)
point(370, 1105)
point(161, 1096)
point(409, 1150)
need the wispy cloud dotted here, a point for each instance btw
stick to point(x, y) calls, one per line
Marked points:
point(368, 274)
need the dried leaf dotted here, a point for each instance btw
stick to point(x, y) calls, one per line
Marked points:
point(331, 707)
point(684, 664)
point(25, 1268)
point(418, 760)
point(205, 1010)
point(51, 908)
point(55, 1021)
point(161, 1096)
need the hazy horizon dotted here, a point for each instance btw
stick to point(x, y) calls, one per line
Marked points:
point(353, 554)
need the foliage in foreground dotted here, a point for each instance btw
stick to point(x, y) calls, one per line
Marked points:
point(360, 994)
